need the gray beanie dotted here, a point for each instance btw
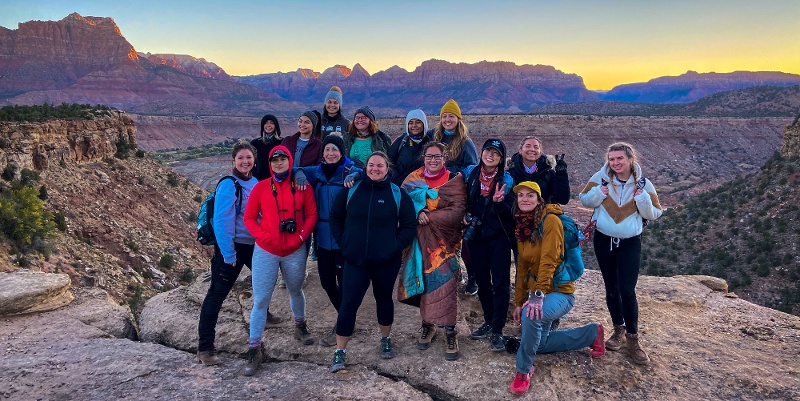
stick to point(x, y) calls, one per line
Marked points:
point(312, 116)
point(336, 94)
point(367, 112)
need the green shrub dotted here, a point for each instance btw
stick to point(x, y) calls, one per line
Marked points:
point(123, 148)
point(167, 261)
point(140, 153)
point(198, 198)
point(9, 172)
point(28, 177)
point(172, 180)
point(22, 216)
point(43, 192)
point(60, 221)
point(131, 245)
point(187, 275)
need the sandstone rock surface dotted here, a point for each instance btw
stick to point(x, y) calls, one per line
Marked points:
point(25, 292)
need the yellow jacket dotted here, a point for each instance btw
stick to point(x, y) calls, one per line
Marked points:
point(537, 263)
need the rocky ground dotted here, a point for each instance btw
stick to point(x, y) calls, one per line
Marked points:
point(704, 344)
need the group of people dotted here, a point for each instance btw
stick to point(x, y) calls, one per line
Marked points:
point(400, 215)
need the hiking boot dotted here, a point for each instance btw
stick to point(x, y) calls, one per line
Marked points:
point(598, 346)
point(497, 342)
point(208, 358)
point(615, 342)
point(521, 382)
point(482, 332)
point(426, 334)
point(329, 339)
point(338, 361)
point(635, 350)
point(387, 350)
point(255, 355)
point(451, 352)
point(272, 319)
point(302, 334)
point(472, 287)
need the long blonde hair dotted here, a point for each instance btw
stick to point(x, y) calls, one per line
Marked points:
point(630, 152)
point(455, 146)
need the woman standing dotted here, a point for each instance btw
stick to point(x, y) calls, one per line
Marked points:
point(234, 247)
point(440, 201)
point(281, 218)
point(332, 119)
point(269, 138)
point(306, 145)
point(488, 236)
point(453, 133)
point(540, 240)
point(364, 138)
point(327, 179)
point(622, 199)
point(406, 151)
point(372, 223)
point(550, 173)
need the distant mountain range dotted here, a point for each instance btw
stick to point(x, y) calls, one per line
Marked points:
point(88, 60)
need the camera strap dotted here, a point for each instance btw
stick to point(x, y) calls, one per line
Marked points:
point(275, 195)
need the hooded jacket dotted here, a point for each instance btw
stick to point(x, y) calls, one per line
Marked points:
point(264, 145)
point(338, 123)
point(555, 187)
point(368, 228)
point(405, 154)
point(620, 214)
point(537, 263)
point(229, 227)
point(272, 202)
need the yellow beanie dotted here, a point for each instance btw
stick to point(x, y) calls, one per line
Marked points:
point(451, 107)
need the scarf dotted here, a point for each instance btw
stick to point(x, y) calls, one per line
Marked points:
point(329, 169)
point(280, 177)
point(448, 133)
point(487, 181)
point(525, 227)
point(238, 174)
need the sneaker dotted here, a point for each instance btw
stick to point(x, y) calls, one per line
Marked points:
point(614, 343)
point(598, 346)
point(482, 332)
point(521, 383)
point(302, 334)
point(255, 355)
point(426, 334)
point(208, 358)
point(387, 350)
point(338, 361)
point(497, 342)
point(329, 339)
point(451, 352)
point(471, 287)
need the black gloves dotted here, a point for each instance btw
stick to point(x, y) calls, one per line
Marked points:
point(561, 165)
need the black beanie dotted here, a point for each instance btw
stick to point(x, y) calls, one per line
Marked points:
point(336, 140)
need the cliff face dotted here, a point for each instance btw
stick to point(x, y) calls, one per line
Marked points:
point(791, 139)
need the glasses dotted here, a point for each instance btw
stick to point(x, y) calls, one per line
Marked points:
point(433, 157)
point(360, 118)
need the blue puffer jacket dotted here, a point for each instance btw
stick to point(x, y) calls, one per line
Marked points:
point(325, 191)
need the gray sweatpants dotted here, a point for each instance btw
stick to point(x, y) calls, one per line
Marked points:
point(265, 275)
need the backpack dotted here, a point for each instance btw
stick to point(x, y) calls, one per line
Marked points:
point(395, 192)
point(205, 228)
point(571, 267)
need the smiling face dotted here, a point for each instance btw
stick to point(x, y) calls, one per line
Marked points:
point(244, 161)
point(361, 122)
point(331, 154)
point(491, 158)
point(279, 164)
point(433, 160)
point(449, 121)
point(530, 150)
point(304, 125)
point(527, 199)
point(415, 126)
point(620, 164)
point(269, 127)
point(377, 168)
point(332, 107)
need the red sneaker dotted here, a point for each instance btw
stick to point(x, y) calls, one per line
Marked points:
point(521, 383)
point(599, 345)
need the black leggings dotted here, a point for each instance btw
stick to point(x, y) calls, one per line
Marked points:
point(490, 260)
point(329, 264)
point(355, 281)
point(619, 264)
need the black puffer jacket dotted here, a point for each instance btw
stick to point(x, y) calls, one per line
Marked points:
point(368, 229)
point(555, 187)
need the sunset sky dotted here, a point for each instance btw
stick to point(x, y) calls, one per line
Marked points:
point(606, 42)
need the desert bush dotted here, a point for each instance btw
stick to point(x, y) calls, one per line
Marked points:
point(167, 261)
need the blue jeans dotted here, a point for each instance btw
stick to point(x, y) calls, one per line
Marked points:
point(538, 339)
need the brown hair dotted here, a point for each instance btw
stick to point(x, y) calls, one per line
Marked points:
point(433, 144)
point(528, 138)
point(382, 155)
point(630, 152)
point(454, 147)
point(353, 131)
point(244, 146)
point(530, 221)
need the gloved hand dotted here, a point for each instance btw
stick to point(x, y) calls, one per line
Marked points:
point(534, 304)
point(561, 165)
point(300, 180)
point(351, 178)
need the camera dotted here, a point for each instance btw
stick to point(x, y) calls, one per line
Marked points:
point(288, 226)
point(472, 224)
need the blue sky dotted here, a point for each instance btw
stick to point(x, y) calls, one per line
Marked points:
point(605, 42)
